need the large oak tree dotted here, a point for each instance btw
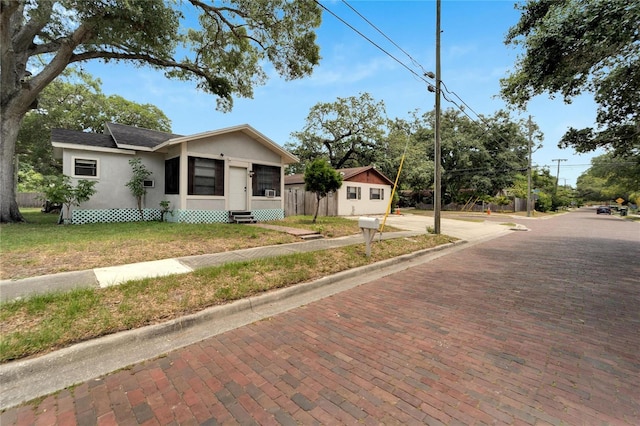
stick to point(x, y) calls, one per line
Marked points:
point(224, 54)
point(75, 101)
point(345, 132)
point(575, 46)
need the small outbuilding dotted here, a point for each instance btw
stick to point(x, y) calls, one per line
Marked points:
point(364, 191)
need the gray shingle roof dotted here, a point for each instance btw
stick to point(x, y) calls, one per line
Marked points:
point(98, 140)
point(137, 136)
point(115, 136)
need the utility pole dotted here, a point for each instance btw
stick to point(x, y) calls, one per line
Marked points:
point(529, 125)
point(437, 181)
point(558, 173)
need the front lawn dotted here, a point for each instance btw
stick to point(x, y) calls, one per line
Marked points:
point(41, 247)
point(44, 323)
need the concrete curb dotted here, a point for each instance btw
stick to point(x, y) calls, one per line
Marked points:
point(28, 379)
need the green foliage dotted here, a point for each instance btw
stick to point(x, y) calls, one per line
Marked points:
point(414, 140)
point(477, 160)
point(29, 180)
point(59, 189)
point(572, 46)
point(136, 184)
point(501, 200)
point(519, 187)
point(544, 203)
point(224, 53)
point(164, 209)
point(345, 132)
point(320, 178)
point(611, 176)
point(563, 198)
point(75, 101)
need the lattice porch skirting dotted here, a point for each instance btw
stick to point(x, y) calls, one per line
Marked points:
point(81, 217)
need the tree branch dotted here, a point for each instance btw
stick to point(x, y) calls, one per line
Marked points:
point(218, 12)
point(27, 33)
point(216, 84)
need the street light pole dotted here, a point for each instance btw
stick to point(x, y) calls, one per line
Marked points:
point(437, 151)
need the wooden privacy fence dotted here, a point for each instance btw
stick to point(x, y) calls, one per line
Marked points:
point(30, 199)
point(299, 202)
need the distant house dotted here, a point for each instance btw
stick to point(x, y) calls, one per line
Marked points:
point(364, 191)
point(206, 177)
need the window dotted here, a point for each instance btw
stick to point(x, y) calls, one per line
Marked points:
point(353, 193)
point(149, 183)
point(172, 176)
point(376, 193)
point(85, 167)
point(265, 180)
point(206, 176)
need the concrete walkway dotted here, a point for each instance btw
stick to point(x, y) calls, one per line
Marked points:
point(31, 378)
point(114, 275)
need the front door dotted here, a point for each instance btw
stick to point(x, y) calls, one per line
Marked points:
point(237, 188)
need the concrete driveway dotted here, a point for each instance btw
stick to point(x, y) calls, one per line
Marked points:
point(469, 229)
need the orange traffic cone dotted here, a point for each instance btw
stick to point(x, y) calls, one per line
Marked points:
point(489, 211)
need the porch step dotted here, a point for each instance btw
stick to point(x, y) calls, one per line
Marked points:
point(317, 236)
point(241, 217)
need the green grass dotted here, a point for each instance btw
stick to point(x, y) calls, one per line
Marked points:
point(40, 246)
point(41, 230)
point(52, 321)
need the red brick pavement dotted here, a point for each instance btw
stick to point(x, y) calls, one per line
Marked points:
point(538, 327)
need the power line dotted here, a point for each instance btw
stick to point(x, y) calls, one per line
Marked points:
point(385, 36)
point(427, 74)
point(487, 126)
point(371, 41)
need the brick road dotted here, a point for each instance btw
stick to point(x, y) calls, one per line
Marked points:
point(539, 327)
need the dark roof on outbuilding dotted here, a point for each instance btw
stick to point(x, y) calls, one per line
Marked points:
point(296, 179)
point(347, 174)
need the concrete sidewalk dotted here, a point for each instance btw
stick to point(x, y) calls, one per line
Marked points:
point(114, 275)
point(25, 380)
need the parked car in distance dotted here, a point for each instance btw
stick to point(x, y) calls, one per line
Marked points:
point(603, 210)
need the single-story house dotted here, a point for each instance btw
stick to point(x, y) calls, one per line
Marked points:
point(206, 177)
point(364, 191)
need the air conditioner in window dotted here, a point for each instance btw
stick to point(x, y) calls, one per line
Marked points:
point(269, 193)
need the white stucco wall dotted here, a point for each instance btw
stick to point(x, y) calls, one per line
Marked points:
point(114, 171)
point(205, 203)
point(363, 206)
point(233, 146)
point(262, 203)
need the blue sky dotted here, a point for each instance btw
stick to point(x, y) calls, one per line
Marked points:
point(473, 54)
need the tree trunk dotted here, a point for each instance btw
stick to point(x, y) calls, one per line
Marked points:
point(318, 198)
point(19, 94)
point(9, 127)
point(139, 201)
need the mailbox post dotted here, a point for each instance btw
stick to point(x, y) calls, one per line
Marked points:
point(369, 226)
